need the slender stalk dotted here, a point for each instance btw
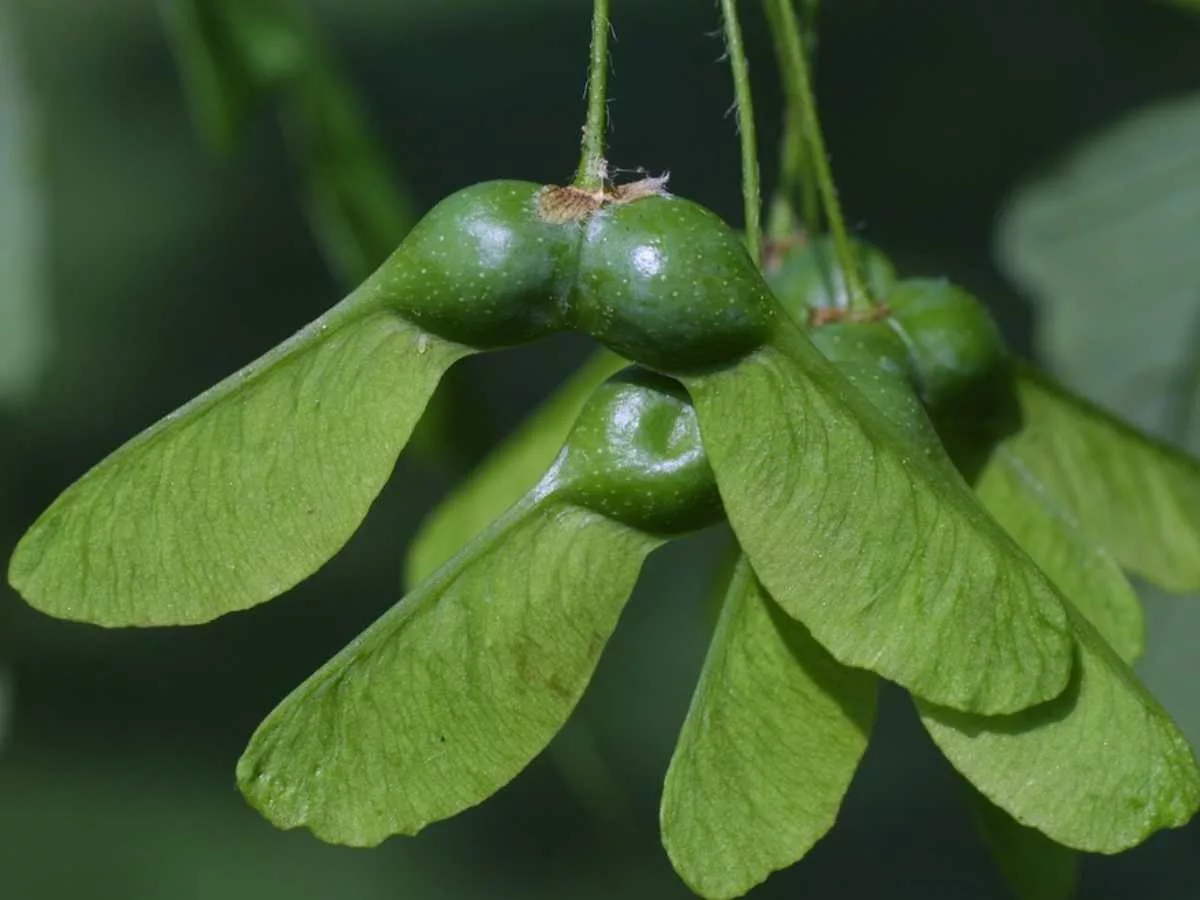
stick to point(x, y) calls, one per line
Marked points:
point(797, 174)
point(800, 93)
point(804, 175)
point(809, 10)
point(751, 192)
point(592, 166)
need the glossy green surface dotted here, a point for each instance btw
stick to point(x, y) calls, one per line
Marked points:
point(516, 465)
point(635, 455)
point(955, 344)
point(659, 280)
point(664, 282)
point(481, 268)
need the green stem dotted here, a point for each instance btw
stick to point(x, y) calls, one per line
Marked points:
point(797, 174)
point(809, 11)
point(593, 169)
point(806, 176)
point(591, 779)
point(751, 192)
point(800, 94)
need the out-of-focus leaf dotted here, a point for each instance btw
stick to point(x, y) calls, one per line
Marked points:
point(887, 558)
point(1105, 245)
point(24, 320)
point(1033, 866)
point(1099, 769)
point(510, 471)
point(241, 493)
point(774, 734)
point(1184, 422)
point(446, 698)
point(6, 704)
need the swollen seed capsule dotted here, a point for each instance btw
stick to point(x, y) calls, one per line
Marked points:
point(664, 282)
point(955, 345)
point(480, 268)
point(635, 455)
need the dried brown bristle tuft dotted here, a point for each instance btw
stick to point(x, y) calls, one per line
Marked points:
point(827, 315)
point(636, 190)
point(560, 205)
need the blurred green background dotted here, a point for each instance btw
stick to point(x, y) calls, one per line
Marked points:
point(136, 269)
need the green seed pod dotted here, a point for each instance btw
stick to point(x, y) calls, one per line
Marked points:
point(635, 455)
point(480, 268)
point(962, 367)
point(664, 282)
point(874, 358)
point(955, 345)
point(807, 276)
